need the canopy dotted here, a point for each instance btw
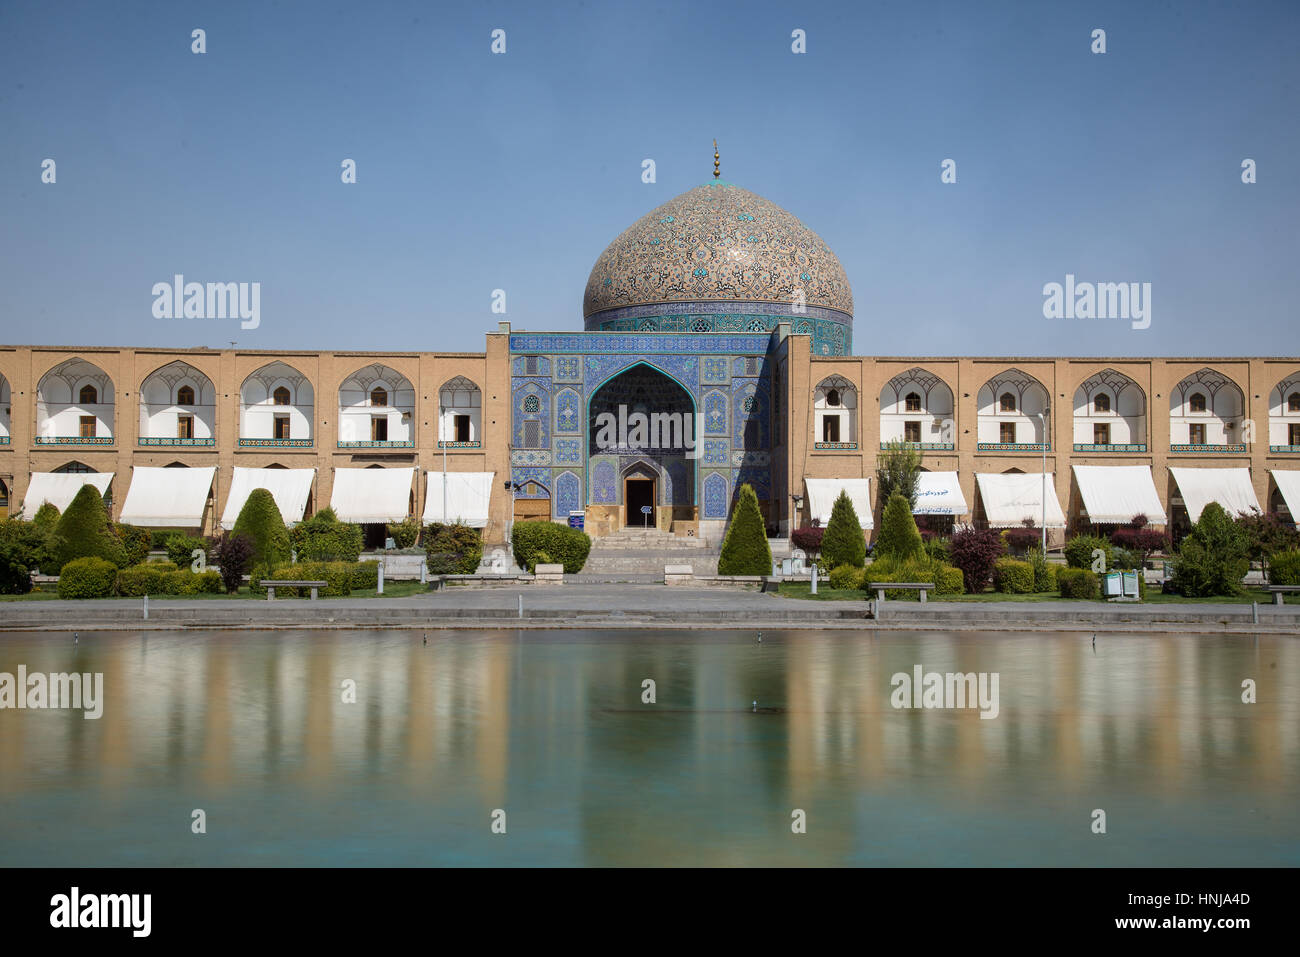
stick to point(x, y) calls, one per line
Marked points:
point(468, 496)
point(1113, 494)
point(370, 496)
point(1288, 483)
point(166, 498)
point(1231, 488)
point(60, 488)
point(289, 487)
point(1011, 497)
point(822, 494)
point(939, 493)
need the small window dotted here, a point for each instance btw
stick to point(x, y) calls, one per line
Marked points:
point(280, 396)
point(379, 397)
point(184, 426)
point(1007, 433)
point(185, 395)
point(913, 402)
point(532, 434)
point(462, 428)
point(831, 428)
point(911, 431)
point(87, 424)
point(531, 365)
point(1293, 402)
point(379, 428)
point(1101, 434)
point(89, 395)
point(833, 398)
point(1293, 434)
point(1197, 402)
point(1196, 434)
point(752, 364)
point(77, 468)
point(1101, 403)
point(532, 404)
point(282, 427)
point(1007, 403)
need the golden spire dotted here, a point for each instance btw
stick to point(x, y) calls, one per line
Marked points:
point(716, 160)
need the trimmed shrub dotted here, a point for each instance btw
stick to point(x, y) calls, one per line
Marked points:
point(843, 543)
point(744, 547)
point(183, 582)
point(1078, 551)
point(899, 537)
point(405, 532)
point(365, 575)
point(949, 580)
point(89, 576)
point(233, 556)
point(1013, 577)
point(1078, 583)
point(46, 517)
point(975, 551)
point(260, 520)
point(138, 580)
point(209, 582)
point(336, 575)
point(946, 579)
point(845, 577)
point(323, 538)
point(1284, 569)
point(1212, 559)
point(85, 531)
point(458, 549)
point(181, 548)
point(136, 542)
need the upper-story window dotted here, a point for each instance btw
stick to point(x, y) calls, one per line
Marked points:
point(1101, 403)
point(1293, 402)
point(185, 395)
point(912, 403)
point(280, 396)
point(833, 398)
point(1007, 402)
point(89, 395)
point(379, 397)
point(1196, 402)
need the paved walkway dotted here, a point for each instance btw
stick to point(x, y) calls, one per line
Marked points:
point(638, 606)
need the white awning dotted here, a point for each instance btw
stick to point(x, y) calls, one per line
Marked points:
point(1288, 483)
point(1231, 488)
point(369, 496)
point(60, 488)
point(822, 494)
point(468, 497)
point(289, 487)
point(1116, 493)
point(1011, 497)
point(163, 498)
point(939, 493)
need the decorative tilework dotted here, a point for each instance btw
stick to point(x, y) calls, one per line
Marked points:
point(156, 440)
point(1284, 448)
point(540, 476)
point(568, 411)
point(377, 444)
point(649, 344)
point(75, 440)
point(843, 446)
point(568, 368)
point(540, 365)
point(1012, 447)
point(530, 457)
point(749, 412)
point(568, 494)
point(604, 484)
point(715, 495)
point(715, 451)
point(460, 445)
point(756, 458)
point(537, 390)
point(601, 368)
point(568, 451)
point(923, 446)
point(715, 413)
point(1092, 447)
point(758, 478)
point(715, 369)
point(275, 443)
point(1209, 449)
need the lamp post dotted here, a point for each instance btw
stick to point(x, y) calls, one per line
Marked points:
point(1043, 444)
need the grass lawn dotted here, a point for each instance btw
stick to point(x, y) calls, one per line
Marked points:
point(392, 589)
point(826, 593)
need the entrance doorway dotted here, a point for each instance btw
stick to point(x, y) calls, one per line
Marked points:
point(638, 494)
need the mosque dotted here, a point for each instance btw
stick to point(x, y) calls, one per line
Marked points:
point(719, 313)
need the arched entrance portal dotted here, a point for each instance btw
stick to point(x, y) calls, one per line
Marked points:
point(642, 442)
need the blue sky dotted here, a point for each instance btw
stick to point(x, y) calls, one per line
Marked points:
point(478, 172)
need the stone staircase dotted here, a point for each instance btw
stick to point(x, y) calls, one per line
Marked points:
point(643, 553)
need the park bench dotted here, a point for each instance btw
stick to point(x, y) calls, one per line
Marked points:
point(879, 588)
point(1278, 591)
point(272, 584)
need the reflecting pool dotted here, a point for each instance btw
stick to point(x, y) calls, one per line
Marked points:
point(253, 729)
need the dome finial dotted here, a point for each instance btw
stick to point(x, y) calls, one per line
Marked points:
point(716, 160)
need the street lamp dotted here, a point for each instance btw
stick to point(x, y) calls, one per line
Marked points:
point(1043, 444)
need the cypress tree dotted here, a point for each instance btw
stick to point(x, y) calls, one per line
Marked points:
point(843, 543)
point(899, 537)
point(84, 532)
point(260, 520)
point(744, 548)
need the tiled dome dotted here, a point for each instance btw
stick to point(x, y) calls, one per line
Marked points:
point(716, 243)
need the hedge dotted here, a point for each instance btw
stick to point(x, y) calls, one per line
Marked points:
point(845, 577)
point(405, 532)
point(336, 575)
point(163, 578)
point(88, 577)
point(365, 575)
point(323, 538)
point(1078, 551)
point(744, 546)
point(458, 549)
point(85, 531)
point(181, 548)
point(1078, 583)
point(1284, 568)
point(1012, 577)
point(566, 546)
point(947, 579)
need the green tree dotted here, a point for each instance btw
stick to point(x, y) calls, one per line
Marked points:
point(843, 543)
point(323, 538)
point(47, 516)
point(85, 531)
point(899, 537)
point(744, 548)
point(1212, 559)
point(260, 520)
point(897, 467)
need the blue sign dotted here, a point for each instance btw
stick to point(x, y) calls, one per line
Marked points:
point(646, 510)
point(576, 519)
